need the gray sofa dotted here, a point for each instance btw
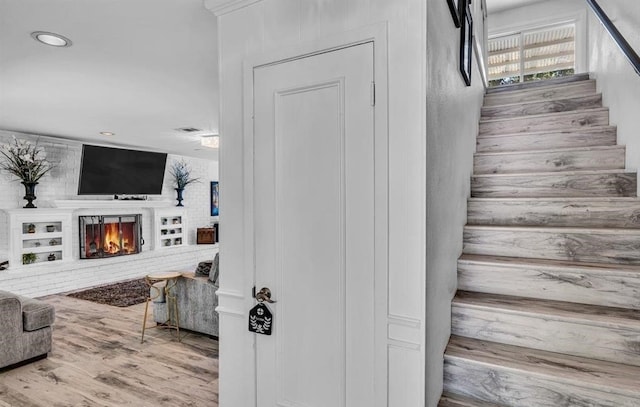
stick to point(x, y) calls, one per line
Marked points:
point(26, 329)
point(197, 301)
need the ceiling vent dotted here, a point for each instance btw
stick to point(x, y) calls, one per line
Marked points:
point(188, 129)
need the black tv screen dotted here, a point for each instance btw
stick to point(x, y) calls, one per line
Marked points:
point(109, 171)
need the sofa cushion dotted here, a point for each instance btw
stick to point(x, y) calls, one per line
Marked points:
point(36, 314)
point(215, 270)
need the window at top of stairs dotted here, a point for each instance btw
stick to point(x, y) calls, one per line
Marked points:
point(532, 55)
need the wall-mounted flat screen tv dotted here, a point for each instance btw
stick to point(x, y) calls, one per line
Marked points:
point(110, 171)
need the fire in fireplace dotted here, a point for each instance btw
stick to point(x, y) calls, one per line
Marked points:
point(110, 235)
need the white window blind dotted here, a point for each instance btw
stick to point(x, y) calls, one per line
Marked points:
point(532, 55)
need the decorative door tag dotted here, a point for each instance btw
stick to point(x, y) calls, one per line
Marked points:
point(260, 319)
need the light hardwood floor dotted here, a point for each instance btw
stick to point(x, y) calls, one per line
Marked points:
point(98, 360)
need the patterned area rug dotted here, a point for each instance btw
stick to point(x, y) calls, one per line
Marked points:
point(121, 294)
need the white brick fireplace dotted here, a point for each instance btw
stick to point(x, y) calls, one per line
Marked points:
point(59, 206)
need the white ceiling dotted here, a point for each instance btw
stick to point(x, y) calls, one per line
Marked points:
point(138, 68)
point(496, 6)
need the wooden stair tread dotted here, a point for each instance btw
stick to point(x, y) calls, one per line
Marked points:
point(536, 107)
point(551, 310)
point(549, 86)
point(603, 284)
point(604, 212)
point(614, 269)
point(556, 229)
point(584, 118)
point(586, 87)
point(556, 174)
point(546, 115)
point(551, 150)
point(567, 200)
point(551, 100)
point(553, 138)
point(563, 174)
point(552, 160)
point(578, 183)
point(454, 400)
point(537, 84)
point(591, 245)
point(567, 130)
point(578, 370)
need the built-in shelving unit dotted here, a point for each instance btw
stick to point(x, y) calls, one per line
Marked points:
point(39, 235)
point(170, 228)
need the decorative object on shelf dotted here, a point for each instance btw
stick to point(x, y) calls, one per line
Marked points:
point(51, 257)
point(51, 228)
point(37, 244)
point(215, 194)
point(26, 161)
point(167, 242)
point(31, 228)
point(181, 174)
point(28, 258)
point(176, 221)
point(178, 241)
point(53, 242)
point(205, 236)
point(29, 193)
point(179, 198)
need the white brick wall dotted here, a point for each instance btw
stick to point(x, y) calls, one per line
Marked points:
point(62, 276)
point(62, 184)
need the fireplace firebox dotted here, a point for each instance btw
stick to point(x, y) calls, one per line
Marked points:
point(110, 235)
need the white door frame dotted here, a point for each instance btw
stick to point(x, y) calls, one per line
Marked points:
point(376, 33)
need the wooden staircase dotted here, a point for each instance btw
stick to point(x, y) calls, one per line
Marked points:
point(547, 311)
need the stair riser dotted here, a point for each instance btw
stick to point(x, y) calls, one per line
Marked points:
point(583, 286)
point(578, 119)
point(523, 142)
point(456, 401)
point(584, 88)
point(578, 78)
point(543, 107)
point(550, 161)
point(540, 331)
point(554, 185)
point(592, 245)
point(512, 387)
point(612, 214)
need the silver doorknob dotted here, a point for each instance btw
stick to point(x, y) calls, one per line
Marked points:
point(264, 295)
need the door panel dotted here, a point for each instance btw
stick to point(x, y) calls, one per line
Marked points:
point(314, 228)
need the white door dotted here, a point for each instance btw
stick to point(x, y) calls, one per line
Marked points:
point(314, 229)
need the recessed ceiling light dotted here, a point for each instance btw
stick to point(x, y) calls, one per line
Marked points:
point(55, 40)
point(211, 141)
point(107, 133)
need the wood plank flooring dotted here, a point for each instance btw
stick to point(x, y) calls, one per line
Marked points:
point(98, 360)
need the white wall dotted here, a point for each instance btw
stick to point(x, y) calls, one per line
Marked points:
point(62, 184)
point(616, 79)
point(429, 168)
point(276, 24)
point(453, 111)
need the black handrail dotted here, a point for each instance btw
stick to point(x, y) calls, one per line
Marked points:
point(626, 49)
